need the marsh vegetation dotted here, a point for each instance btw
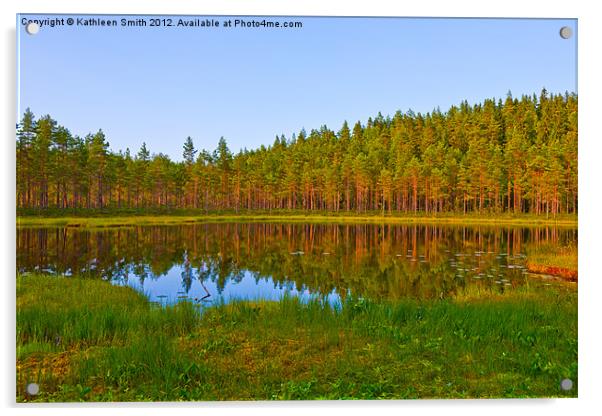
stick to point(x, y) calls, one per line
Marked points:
point(83, 339)
point(297, 311)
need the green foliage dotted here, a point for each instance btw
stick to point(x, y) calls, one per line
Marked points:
point(519, 345)
point(553, 255)
point(516, 156)
point(73, 311)
point(189, 151)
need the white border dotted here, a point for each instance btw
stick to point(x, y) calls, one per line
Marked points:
point(590, 347)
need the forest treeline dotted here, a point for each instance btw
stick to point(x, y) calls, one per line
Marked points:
point(515, 155)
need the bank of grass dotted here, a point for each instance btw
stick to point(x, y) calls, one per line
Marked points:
point(553, 259)
point(91, 341)
point(125, 217)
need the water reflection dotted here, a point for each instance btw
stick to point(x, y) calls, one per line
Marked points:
point(211, 262)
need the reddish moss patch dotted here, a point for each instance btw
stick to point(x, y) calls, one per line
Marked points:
point(567, 274)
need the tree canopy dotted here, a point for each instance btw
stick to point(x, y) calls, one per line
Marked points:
point(512, 155)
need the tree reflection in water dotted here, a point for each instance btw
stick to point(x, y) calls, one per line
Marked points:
point(375, 261)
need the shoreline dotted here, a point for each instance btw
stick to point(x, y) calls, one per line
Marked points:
point(563, 273)
point(175, 219)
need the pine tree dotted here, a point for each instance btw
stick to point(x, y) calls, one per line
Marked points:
point(189, 151)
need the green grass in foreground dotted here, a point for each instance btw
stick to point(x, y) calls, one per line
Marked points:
point(119, 217)
point(87, 340)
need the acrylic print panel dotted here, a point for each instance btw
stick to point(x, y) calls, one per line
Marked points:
point(295, 208)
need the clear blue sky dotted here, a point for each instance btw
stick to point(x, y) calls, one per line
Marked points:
point(160, 85)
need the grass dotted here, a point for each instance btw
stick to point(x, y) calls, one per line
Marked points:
point(124, 217)
point(86, 340)
point(558, 260)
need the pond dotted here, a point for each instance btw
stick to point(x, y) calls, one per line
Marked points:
point(220, 262)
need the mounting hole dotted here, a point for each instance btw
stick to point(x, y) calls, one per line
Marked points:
point(33, 389)
point(566, 32)
point(32, 28)
point(566, 384)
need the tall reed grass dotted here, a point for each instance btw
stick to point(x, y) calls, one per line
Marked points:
point(89, 340)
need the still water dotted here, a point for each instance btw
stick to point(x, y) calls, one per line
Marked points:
point(210, 263)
